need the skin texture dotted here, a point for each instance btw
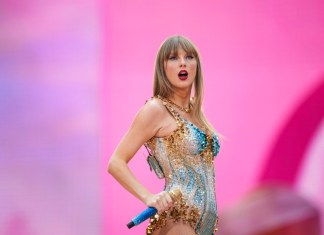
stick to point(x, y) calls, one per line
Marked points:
point(154, 120)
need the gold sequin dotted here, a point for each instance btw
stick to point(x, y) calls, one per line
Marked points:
point(180, 212)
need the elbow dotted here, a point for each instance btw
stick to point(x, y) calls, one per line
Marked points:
point(111, 166)
point(114, 166)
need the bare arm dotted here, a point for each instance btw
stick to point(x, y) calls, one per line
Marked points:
point(145, 125)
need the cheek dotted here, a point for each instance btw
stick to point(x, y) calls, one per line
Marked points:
point(193, 68)
point(193, 64)
point(170, 69)
point(167, 71)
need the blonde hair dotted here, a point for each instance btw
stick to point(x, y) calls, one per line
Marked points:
point(161, 84)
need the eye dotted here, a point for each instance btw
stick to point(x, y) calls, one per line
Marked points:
point(190, 57)
point(172, 57)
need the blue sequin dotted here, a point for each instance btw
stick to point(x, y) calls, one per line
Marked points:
point(191, 180)
point(215, 145)
point(182, 174)
point(201, 137)
point(198, 196)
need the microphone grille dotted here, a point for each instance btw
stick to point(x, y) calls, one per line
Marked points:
point(175, 194)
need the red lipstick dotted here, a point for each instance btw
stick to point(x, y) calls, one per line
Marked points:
point(183, 75)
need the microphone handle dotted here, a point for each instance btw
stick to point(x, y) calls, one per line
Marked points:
point(174, 194)
point(142, 216)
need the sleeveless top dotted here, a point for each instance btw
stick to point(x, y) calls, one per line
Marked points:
point(186, 157)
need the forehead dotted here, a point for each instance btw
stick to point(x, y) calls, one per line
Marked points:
point(175, 47)
point(180, 50)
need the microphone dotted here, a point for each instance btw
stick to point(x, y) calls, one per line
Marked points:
point(144, 215)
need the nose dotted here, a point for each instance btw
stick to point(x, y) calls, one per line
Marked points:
point(183, 61)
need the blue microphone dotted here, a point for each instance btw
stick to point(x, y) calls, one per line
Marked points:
point(144, 215)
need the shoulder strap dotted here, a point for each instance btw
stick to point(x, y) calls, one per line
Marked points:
point(171, 110)
point(149, 99)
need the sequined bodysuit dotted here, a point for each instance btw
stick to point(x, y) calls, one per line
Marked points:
point(186, 157)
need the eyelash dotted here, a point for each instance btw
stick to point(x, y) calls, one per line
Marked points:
point(190, 57)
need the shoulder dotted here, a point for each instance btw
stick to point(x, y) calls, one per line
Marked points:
point(153, 111)
point(154, 107)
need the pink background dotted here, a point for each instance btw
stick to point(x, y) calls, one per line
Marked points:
point(73, 74)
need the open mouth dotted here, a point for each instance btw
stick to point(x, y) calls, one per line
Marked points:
point(183, 75)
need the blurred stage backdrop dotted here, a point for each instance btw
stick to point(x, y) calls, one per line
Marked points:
point(74, 73)
point(49, 149)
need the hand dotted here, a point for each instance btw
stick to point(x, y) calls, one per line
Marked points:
point(161, 201)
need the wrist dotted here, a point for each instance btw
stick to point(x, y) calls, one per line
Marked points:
point(146, 197)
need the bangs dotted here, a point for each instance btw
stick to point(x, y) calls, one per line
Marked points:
point(172, 45)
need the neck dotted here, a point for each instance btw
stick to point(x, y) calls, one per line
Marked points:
point(181, 99)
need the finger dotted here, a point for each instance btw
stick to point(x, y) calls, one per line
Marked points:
point(155, 203)
point(166, 199)
point(159, 203)
point(169, 199)
point(163, 201)
point(158, 207)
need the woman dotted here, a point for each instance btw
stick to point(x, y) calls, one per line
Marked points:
point(182, 142)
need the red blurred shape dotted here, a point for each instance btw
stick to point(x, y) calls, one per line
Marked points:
point(286, 157)
point(270, 210)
